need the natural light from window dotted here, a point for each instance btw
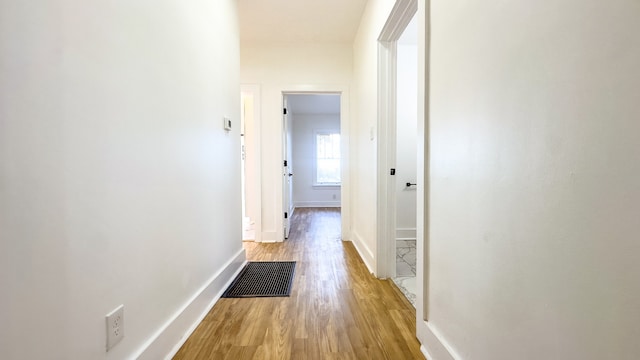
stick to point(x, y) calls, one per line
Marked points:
point(328, 159)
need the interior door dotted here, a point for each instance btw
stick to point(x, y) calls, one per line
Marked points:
point(287, 170)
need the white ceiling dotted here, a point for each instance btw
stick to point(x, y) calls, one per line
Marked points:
point(323, 21)
point(313, 104)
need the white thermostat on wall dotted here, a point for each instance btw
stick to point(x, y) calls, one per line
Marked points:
point(227, 124)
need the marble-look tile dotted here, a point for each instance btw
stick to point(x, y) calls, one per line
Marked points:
point(406, 244)
point(407, 284)
point(404, 269)
point(400, 252)
point(410, 257)
point(406, 258)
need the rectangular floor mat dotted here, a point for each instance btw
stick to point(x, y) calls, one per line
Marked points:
point(262, 279)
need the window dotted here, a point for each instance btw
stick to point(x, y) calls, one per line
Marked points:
point(327, 158)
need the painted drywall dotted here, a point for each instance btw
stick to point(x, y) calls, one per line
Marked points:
point(533, 241)
point(251, 161)
point(305, 192)
point(111, 154)
point(363, 132)
point(406, 134)
point(279, 68)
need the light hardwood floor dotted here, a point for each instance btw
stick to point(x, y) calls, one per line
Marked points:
point(337, 309)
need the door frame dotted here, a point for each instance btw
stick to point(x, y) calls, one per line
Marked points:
point(287, 201)
point(401, 15)
point(252, 130)
point(432, 347)
point(345, 186)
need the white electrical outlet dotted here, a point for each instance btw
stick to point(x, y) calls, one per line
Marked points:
point(115, 327)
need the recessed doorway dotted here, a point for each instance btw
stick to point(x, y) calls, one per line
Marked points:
point(312, 151)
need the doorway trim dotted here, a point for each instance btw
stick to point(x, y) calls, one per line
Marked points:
point(401, 14)
point(287, 185)
point(252, 133)
point(345, 188)
point(433, 344)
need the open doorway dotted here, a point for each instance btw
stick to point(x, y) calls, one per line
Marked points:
point(312, 152)
point(406, 160)
point(398, 153)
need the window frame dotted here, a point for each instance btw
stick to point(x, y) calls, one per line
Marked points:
point(317, 184)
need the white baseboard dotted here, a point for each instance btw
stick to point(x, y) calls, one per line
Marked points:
point(405, 239)
point(424, 352)
point(365, 253)
point(166, 342)
point(434, 347)
point(306, 204)
point(405, 234)
point(269, 236)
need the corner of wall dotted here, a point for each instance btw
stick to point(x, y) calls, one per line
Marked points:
point(433, 345)
point(365, 253)
point(166, 342)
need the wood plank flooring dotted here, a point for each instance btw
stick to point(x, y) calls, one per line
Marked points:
point(337, 309)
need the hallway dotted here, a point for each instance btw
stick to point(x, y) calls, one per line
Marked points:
point(337, 309)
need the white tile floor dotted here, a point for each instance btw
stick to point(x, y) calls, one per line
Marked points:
point(407, 284)
point(406, 268)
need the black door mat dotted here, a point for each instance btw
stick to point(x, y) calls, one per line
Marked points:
point(262, 279)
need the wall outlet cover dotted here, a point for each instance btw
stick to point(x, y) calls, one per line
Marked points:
point(115, 327)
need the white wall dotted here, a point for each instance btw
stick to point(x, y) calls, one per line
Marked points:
point(305, 128)
point(534, 179)
point(406, 144)
point(251, 107)
point(111, 150)
point(295, 68)
point(363, 132)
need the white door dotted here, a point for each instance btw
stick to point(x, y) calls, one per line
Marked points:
point(287, 171)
